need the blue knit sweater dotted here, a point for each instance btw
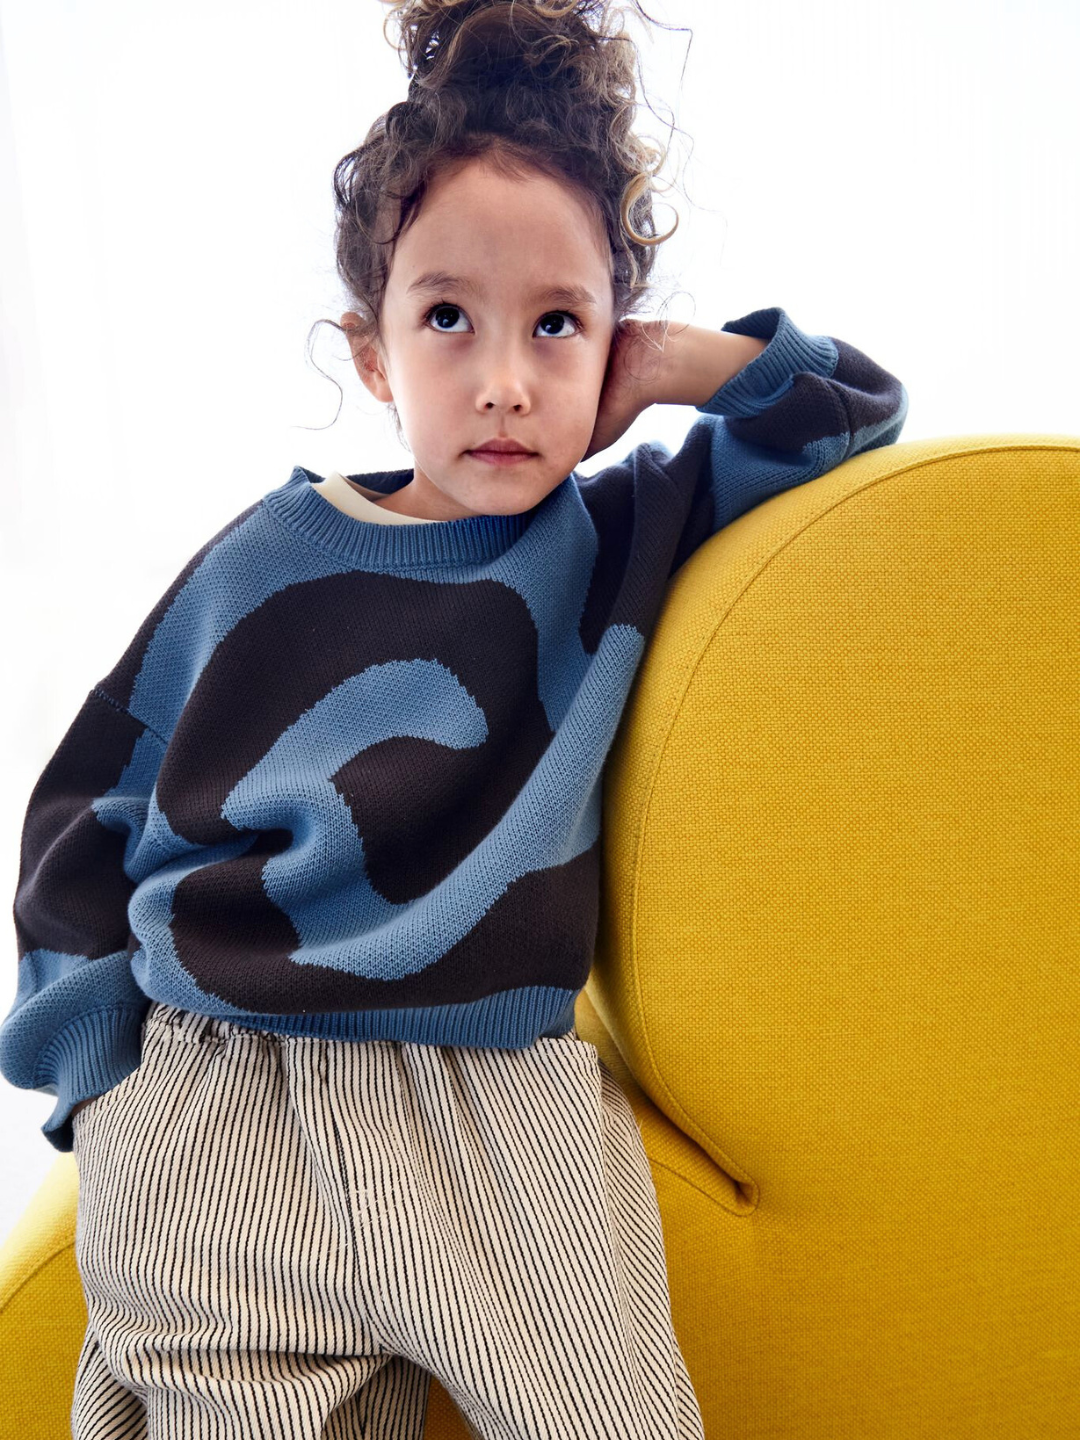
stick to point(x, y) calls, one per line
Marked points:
point(345, 780)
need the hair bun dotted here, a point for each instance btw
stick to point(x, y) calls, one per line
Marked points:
point(472, 44)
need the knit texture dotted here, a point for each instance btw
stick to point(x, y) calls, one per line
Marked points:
point(345, 780)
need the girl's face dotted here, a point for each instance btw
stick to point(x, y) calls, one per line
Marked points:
point(494, 352)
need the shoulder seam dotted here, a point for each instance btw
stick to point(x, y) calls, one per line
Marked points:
point(104, 695)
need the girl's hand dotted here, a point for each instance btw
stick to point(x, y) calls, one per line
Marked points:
point(633, 365)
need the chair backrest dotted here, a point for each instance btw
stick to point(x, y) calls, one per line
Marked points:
point(840, 940)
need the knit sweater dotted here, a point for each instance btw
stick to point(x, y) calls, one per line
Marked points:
point(345, 780)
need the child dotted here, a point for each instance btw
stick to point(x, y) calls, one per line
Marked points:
point(309, 888)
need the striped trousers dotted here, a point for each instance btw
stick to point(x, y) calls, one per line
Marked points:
point(288, 1236)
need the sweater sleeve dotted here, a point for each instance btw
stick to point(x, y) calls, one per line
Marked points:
point(800, 408)
point(74, 1029)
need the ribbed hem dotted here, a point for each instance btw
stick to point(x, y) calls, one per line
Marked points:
point(507, 1020)
point(88, 1057)
point(390, 547)
point(762, 380)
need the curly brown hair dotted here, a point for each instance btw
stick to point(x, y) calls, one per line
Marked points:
point(530, 85)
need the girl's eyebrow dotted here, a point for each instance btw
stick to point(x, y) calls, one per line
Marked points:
point(434, 280)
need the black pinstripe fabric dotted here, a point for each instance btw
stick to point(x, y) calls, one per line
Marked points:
point(288, 1235)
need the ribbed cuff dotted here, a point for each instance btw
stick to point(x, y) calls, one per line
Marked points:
point(762, 381)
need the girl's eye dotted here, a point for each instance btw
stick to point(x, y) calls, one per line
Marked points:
point(443, 308)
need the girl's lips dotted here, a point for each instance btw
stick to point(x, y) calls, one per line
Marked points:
point(503, 457)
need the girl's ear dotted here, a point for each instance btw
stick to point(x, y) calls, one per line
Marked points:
point(366, 358)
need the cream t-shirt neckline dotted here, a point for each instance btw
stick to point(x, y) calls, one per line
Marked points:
point(352, 499)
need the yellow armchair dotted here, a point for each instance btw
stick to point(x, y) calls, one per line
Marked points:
point(838, 965)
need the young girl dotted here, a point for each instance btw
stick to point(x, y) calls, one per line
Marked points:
point(309, 888)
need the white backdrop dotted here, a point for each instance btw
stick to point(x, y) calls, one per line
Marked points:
point(902, 178)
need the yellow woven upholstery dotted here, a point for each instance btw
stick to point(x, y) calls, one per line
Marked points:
point(838, 968)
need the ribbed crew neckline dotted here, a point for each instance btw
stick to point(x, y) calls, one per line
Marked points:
point(470, 539)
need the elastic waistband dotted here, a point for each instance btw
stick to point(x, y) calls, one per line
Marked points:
point(192, 1025)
